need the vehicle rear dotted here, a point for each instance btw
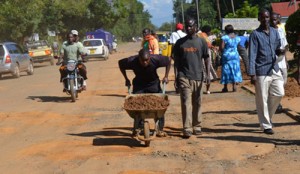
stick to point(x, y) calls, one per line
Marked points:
point(96, 48)
point(40, 51)
point(14, 60)
point(164, 46)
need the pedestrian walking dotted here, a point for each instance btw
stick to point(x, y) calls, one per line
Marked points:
point(205, 33)
point(188, 54)
point(282, 61)
point(264, 45)
point(231, 70)
point(173, 39)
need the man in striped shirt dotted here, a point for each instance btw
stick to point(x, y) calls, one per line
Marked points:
point(264, 45)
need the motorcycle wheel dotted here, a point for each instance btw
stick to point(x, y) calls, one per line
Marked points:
point(73, 90)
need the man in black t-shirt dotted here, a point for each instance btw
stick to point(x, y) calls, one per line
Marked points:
point(188, 54)
point(146, 80)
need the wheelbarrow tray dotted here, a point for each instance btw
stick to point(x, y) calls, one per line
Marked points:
point(146, 114)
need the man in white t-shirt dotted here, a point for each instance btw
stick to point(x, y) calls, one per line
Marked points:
point(177, 34)
point(173, 39)
point(282, 61)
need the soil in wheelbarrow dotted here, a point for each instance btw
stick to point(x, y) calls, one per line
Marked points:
point(146, 102)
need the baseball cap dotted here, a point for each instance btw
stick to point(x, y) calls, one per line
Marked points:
point(74, 32)
point(179, 26)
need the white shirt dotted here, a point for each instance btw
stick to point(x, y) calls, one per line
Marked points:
point(176, 35)
point(284, 43)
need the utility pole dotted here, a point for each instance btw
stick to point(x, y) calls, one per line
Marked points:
point(197, 6)
point(182, 12)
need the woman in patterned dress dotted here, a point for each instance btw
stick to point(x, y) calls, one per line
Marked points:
point(231, 71)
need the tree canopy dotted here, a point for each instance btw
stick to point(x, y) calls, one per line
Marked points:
point(21, 18)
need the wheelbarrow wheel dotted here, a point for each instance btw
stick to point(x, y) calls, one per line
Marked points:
point(147, 133)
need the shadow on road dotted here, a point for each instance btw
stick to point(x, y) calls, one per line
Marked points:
point(112, 95)
point(250, 112)
point(254, 139)
point(55, 99)
point(111, 137)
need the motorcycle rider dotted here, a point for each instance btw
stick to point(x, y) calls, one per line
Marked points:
point(80, 57)
point(71, 50)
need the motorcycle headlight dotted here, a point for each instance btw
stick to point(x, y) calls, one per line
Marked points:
point(71, 66)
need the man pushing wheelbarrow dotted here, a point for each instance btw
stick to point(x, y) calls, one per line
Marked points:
point(146, 80)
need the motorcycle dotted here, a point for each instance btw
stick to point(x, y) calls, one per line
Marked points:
point(73, 81)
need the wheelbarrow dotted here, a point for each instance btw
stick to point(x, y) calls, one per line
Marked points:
point(146, 116)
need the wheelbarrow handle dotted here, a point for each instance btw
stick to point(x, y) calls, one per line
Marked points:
point(129, 90)
point(164, 88)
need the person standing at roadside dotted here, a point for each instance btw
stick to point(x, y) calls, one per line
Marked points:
point(173, 39)
point(150, 42)
point(264, 45)
point(282, 61)
point(188, 54)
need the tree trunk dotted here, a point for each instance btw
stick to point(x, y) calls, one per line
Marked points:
point(219, 10)
point(232, 5)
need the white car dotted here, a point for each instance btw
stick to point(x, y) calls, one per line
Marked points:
point(96, 48)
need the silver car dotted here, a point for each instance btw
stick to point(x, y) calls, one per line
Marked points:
point(14, 60)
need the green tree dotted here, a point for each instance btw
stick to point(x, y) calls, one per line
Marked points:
point(292, 28)
point(246, 11)
point(167, 26)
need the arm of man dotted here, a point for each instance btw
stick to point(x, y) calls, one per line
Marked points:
point(123, 66)
point(206, 59)
point(163, 61)
point(253, 48)
point(61, 56)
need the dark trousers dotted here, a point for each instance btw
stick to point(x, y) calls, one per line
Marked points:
point(243, 53)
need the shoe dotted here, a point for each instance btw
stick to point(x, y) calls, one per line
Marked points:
point(207, 92)
point(269, 131)
point(224, 90)
point(279, 109)
point(161, 134)
point(187, 134)
point(197, 131)
point(64, 90)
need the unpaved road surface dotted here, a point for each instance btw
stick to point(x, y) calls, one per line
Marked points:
point(41, 131)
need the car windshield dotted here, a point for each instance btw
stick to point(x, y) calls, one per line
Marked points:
point(36, 44)
point(92, 43)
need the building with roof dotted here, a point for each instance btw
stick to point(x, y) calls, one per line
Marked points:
point(285, 9)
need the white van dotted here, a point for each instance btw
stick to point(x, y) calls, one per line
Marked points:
point(96, 48)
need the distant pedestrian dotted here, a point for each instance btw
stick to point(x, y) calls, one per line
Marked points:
point(150, 42)
point(173, 39)
point(264, 44)
point(205, 33)
point(282, 61)
point(243, 51)
point(188, 54)
point(231, 70)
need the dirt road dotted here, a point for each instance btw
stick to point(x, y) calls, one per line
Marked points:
point(41, 131)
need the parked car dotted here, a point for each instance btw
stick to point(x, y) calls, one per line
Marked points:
point(14, 60)
point(40, 51)
point(96, 48)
